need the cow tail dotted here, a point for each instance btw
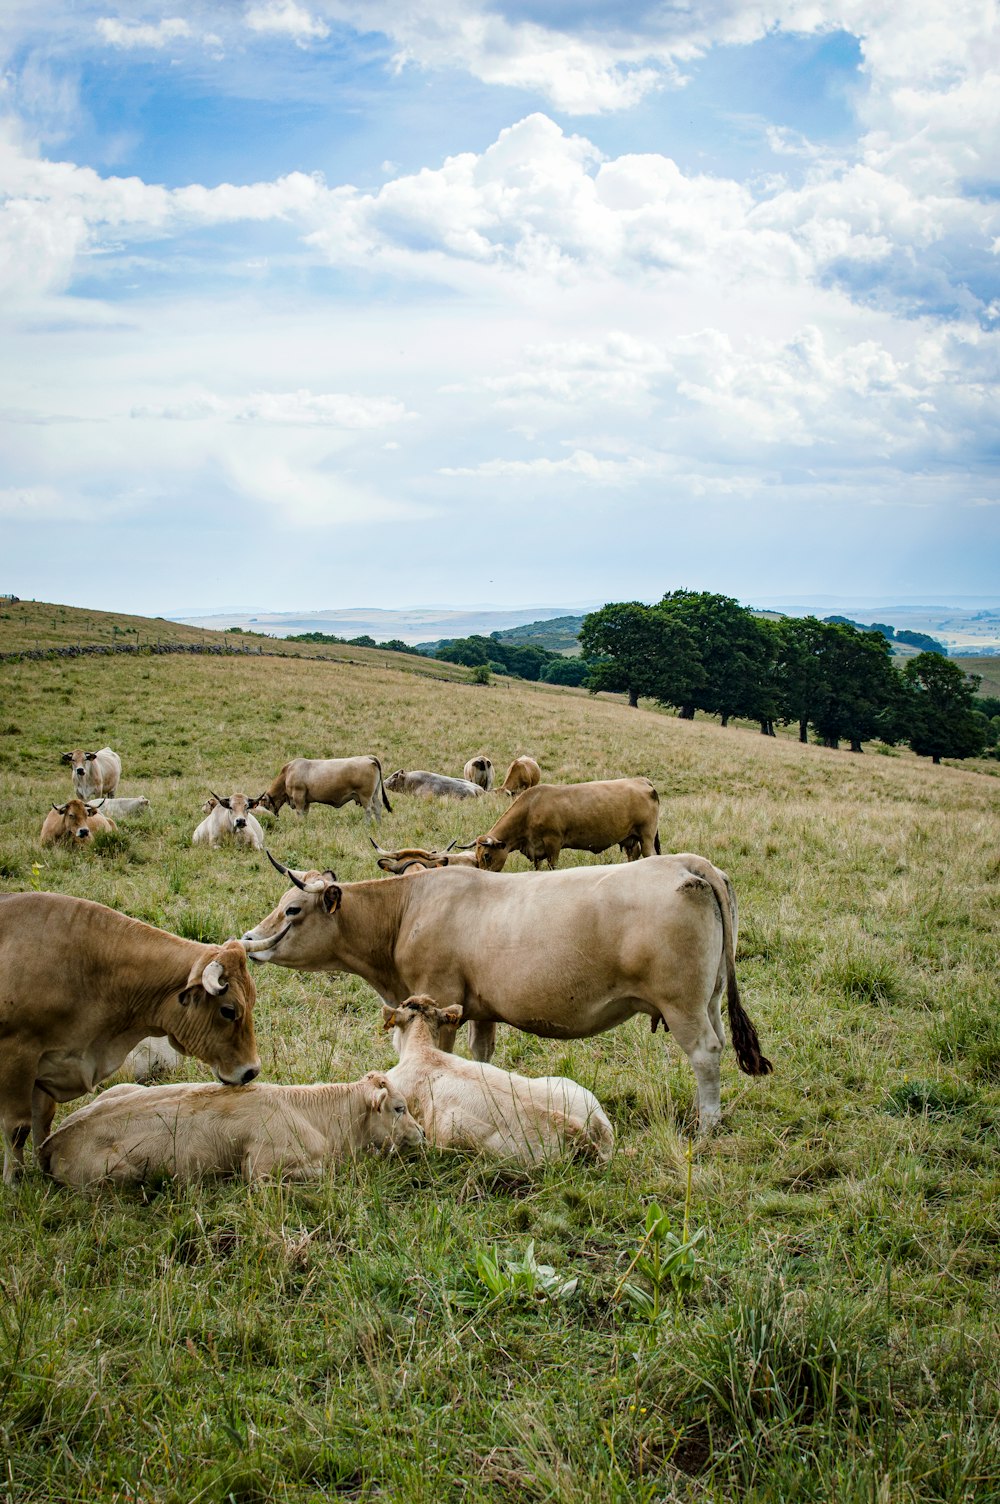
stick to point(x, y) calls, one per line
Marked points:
point(381, 785)
point(745, 1039)
point(656, 843)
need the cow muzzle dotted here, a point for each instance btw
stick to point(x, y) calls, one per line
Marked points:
point(239, 1078)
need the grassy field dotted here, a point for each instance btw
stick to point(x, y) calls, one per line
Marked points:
point(838, 1336)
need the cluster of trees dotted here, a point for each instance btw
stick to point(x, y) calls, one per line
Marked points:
point(921, 640)
point(523, 660)
point(364, 641)
point(697, 651)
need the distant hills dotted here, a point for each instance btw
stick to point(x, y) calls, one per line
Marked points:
point(419, 625)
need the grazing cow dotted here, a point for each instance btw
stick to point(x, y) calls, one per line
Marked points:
point(133, 1133)
point(329, 780)
point(94, 773)
point(432, 785)
point(230, 820)
point(580, 816)
point(522, 774)
point(122, 809)
point(560, 954)
point(82, 984)
point(467, 1104)
point(413, 857)
point(72, 822)
point(479, 770)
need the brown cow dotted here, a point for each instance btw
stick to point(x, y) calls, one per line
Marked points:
point(522, 774)
point(561, 954)
point(134, 1132)
point(80, 985)
point(329, 780)
point(581, 816)
point(72, 822)
point(412, 857)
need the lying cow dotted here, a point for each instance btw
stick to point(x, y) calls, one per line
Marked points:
point(479, 770)
point(467, 1104)
point(551, 817)
point(230, 819)
point(123, 809)
point(83, 984)
point(522, 774)
point(432, 785)
point(94, 773)
point(73, 822)
point(134, 1133)
point(329, 780)
point(413, 858)
point(562, 954)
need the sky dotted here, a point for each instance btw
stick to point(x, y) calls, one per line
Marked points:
point(322, 303)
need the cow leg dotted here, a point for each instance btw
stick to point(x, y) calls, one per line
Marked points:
point(482, 1040)
point(701, 1044)
point(43, 1110)
point(17, 1076)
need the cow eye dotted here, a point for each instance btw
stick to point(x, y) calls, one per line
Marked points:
point(228, 1011)
point(399, 1109)
point(293, 909)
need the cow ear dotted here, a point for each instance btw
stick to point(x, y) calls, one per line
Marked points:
point(60, 809)
point(453, 1015)
point(66, 757)
point(332, 894)
point(91, 756)
point(91, 809)
point(378, 1098)
point(388, 1017)
point(252, 803)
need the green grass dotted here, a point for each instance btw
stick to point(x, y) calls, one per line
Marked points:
point(224, 1342)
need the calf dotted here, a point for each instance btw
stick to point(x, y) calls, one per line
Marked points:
point(479, 770)
point(132, 1133)
point(94, 773)
point(230, 820)
point(73, 822)
point(466, 1104)
point(522, 774)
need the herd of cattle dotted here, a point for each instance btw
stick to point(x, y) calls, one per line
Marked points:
point(560, 954)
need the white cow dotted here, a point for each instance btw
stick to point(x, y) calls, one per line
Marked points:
point(230, 820)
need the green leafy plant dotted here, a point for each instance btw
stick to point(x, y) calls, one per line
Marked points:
point(669, 1264)
point(522, 1278)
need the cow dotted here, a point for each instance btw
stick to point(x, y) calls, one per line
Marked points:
point(230, 819)
point(432, 785)
point(479, 770)
point(522, 774)
point(134, 1133)
point(467, 1104)
point(122, 809)
point(73, 822)
point(94, 773)
point(410, 858)
point(580, 816)
point(329, 780)
point(80, 985)
point(561, 954)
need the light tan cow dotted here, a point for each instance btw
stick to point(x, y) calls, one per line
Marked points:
point(479, 770)
point(230, 819)
point(410, 858)
point(122, 809)
point(467, 1104)
point(72, 823)
point(427, 785)
point(94, 773)
point(562, 954)
point(522, 774)
point(329, 780)
point(133, 1133)
point(551, 817)
point(80, 985)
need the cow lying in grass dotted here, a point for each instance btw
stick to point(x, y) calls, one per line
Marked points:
point(133, 1133)
point(466, 1104)
point(73, 822)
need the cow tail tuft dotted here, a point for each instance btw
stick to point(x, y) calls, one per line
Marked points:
point(381, 785)
point(656, 843)
point(745, 1040)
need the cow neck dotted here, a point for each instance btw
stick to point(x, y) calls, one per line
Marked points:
point(370, 916)
point(277, 792)
point(146, 967)
point(336, 1109)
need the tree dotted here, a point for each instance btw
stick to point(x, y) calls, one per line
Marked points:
point(625, 639)
point(727, 660)
point(567, 671)
point(798, 673)
point(859, 691)
point(939, 712)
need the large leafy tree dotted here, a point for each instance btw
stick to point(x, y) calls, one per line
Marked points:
point(730, 667)
point(636, 651)
point(859, 690)
point(939, 714)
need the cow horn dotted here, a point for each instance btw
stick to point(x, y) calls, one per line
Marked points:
point(285, 871)
point(381, 849)
point(224, 802)
point(103, 801)
point(60, 809)
point(467, 847)
point(213, 979)
point(450, 844)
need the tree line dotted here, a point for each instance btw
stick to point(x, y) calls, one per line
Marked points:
point(694, 650)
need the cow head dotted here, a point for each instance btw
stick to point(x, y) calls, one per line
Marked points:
point(395, 781)
point(296, 932)
point(74, 815)
point(389, 1124)
point(237, 806)
point(419, 1018)
point(214, 1015)
point(78, 761)
point(266, 802)
point(491, 853)
point(411, 858)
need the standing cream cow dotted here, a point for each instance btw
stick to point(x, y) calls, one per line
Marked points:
point(94, 773)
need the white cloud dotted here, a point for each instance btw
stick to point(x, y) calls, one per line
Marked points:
point(286, 19)
point(334, 409)
point(581, 463)
point(131, 34)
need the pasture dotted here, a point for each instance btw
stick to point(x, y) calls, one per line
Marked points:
point(820, 1324)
